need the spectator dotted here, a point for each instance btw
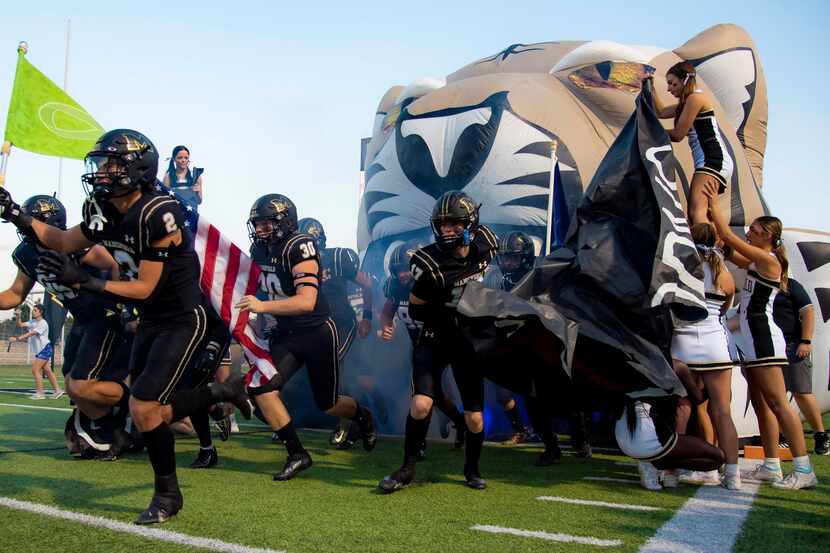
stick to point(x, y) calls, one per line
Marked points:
point(41, 348)
point(793, 313)
point(181, 180)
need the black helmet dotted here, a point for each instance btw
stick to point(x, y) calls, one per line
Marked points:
point(454, 206)
point(519, 245)
point(134, 162)
point(46, 209)
point(314, 227)
point(280, 211)
point(401, 256)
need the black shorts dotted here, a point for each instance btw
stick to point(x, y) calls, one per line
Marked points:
point(346, 332)
point(433, 353)
point(163, 352)
point(316, 348)
point(91, 347)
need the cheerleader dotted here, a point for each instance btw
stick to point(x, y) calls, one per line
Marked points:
point(765, 259)
point(694, 117)
point(704, 348)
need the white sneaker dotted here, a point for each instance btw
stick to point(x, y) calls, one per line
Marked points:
point(763, 474)
point(37, 396)
point(649, 476)
point(59, 394)
point(731, 482)
point(670, 479)
point(234, 425)
point(797, 481)
point(701, 478)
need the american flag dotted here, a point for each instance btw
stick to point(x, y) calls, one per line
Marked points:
point(227, 275)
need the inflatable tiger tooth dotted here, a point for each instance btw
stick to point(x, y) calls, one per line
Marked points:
point(487, 129)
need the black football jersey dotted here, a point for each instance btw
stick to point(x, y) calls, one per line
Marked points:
point(277, 279)
point(129, 238)
point(340, 266)
point(398, 292)
point(437, 273)
point(84, 306)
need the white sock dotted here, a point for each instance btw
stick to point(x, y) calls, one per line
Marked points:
point(731, 469)
point(772, 463)
point(802, 464)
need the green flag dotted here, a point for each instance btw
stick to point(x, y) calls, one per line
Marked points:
point(43, 118)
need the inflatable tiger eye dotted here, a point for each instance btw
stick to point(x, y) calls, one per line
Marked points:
point(488, 129)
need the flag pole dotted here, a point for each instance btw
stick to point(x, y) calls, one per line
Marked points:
point(6, 149)
point(65, 89)
point(554, 145)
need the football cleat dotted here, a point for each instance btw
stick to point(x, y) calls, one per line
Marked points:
point(205, 459)
point(233, 390)
point(224, 427)
point(340, 433)
point(475, 481)
point(549, 456)
point(397, 480)
point(368, 430)
point(167, 501)
point(294, 465)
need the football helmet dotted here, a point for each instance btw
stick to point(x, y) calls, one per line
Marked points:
point(308, 225)
point(280, 211)
point(454, 207)
point(401, 256)
point(516, 254)
point(46, 209)
point(121, 162)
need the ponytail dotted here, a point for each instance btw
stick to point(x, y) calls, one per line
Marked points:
point(774, 227)
point(705, 238)
point(684, 71)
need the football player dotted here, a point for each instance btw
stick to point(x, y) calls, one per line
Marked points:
point(396, 289)
point(94, 379)
point(462, 251)
point(304, 334)
point(339, 267)
point(142, 230)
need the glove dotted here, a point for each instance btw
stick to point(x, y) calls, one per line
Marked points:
point(11, 212)
point(61, 269)
point(209, 359)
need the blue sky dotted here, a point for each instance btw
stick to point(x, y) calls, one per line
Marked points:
point(272, 98)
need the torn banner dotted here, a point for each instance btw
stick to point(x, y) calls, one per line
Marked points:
point(627, 275)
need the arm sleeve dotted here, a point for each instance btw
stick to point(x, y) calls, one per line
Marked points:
point(425, 286)
point(302, 250)
point(165, 219)
point(799, 295)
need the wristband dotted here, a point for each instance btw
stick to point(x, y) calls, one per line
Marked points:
point(367, 314)
point(804, 341)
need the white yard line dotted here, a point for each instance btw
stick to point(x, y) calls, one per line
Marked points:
point(625, 506)
point(564, 538)
point(710, 521)
point(140, 531)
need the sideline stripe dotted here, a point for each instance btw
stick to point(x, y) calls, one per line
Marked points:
point(709, 521)
point(140, 531)
point(609, 479)
point(35, 407)
point(565, 538)
point(626, 506)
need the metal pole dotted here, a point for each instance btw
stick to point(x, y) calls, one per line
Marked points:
point(554, 145)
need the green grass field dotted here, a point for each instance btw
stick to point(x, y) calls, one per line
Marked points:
point(335, 505)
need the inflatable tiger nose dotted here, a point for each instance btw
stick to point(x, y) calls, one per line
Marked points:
point(487, 129)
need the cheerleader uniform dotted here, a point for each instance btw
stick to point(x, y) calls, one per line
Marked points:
point(704, 345)
point(651, 439)
point(709, 149)
point(763, 341)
